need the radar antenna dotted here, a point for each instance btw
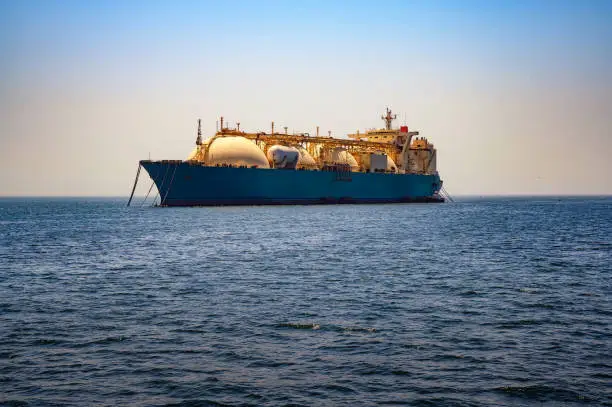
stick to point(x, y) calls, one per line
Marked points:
point(199, 139)
point(388, 119)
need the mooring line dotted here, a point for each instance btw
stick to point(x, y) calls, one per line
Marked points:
point(169, 185)
point(147, 195)
point(135, 182)
point(151, 187)
point(447, 194)
point(162, 183)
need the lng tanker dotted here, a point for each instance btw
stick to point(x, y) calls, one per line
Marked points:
point(234, 167)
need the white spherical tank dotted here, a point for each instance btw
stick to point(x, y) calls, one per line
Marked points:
point(391, 165)
point(235, 151)
point(339, 155)
point(306, 160)
point(283, 156)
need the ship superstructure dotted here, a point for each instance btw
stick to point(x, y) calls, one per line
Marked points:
point(404, 150)
point(238, 167)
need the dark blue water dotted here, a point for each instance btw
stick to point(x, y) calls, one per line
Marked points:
point(483, 302)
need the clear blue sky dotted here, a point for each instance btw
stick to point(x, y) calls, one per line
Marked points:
point(516, 95)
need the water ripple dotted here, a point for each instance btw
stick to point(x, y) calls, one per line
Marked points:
point(484, 302)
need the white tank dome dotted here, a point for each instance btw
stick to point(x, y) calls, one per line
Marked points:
point(339, 155)
point(391, 165)
point(305, 160)
point(237, 151)
point(283, 156)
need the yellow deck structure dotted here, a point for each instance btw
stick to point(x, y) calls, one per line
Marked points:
point(397, 144)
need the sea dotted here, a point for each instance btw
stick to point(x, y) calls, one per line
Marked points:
point(487, 301)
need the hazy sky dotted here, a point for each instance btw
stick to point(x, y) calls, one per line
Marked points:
point(516, 96)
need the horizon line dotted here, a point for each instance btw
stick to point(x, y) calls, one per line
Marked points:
point(588, 195)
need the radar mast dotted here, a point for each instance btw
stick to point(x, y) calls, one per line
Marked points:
point(199, 138)
point(388, 118)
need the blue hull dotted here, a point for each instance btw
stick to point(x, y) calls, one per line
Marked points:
point(184, 184)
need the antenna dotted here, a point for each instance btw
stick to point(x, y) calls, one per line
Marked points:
point(388, 118)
